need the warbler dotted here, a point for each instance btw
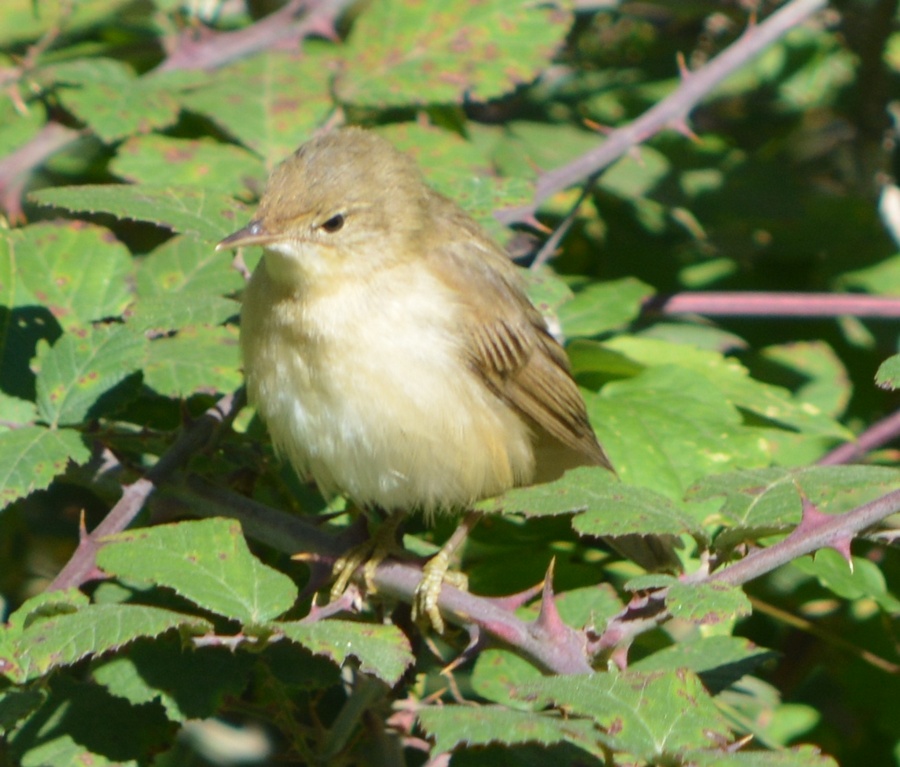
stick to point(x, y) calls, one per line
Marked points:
point(389, 344)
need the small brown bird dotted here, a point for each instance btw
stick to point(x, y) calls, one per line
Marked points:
point(388, 342)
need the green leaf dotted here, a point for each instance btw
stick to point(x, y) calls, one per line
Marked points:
point(68, 637)
point(603, 306)
point(451, 726)
point(669, 426)
point(81, 724)
point(732, 380)
point(190, 683)
point(197, 359)
point(458, 169)
point(604, 505)
point(21, 20)
point(402, 52)
point(800, 756)
point(888, 375)
point(187, 210)
point(857, 579)
point(707, 603)
point(108, 96)
point(32, 456)
point(382, 650)
point(159, 316)
point(765, 501)
point(271, 102)
point(826, 383)
point(718, 660)
point(79, 375)
point(206, 561)
point(186, 269)
point(651, 716)
point(79, 271)
point(165, 161)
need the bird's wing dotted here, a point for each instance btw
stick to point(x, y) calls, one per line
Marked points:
point(507, 342)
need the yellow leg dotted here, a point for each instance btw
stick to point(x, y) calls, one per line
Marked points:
point(370, 554)
point(436, 572)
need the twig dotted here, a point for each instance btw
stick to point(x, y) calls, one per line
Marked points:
point(279, 29)
point(763, 304)
point(672, 111)
point(82, 564)
point(878, 434)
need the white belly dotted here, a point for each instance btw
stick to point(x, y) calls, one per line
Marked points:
point(364, 388)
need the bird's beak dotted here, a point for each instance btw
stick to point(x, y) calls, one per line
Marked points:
point(252, 234)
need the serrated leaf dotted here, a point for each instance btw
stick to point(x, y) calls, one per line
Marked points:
point(79, 375)
point(718, 660)
point(15, 412)
point(187, 269)
point(402, 52)
point(764, 501)
point(110, 98)
point(458, 169)
point(79, 271)
point(451, 726)
point(189, 683)
point(163, 314)
point(197, 359)
point(652, 716)
point(32, 456)
point(187, 210)
point(382, 650)
point(733, 382)
point(271, 102)
point(206, 561)
point(603, 505)
point(669, 426)
point(888, 375)
point(163, 161)
point(707, 603)
point(68, 637)
point(603, 306)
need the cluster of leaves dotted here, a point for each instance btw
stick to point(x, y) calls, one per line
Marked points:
point(134, 136)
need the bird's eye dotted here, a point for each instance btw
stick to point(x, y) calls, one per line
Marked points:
point(333, 224)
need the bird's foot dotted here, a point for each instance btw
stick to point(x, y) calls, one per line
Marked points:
point(368, 554)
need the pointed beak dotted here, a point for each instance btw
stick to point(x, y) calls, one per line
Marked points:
point(252, 234)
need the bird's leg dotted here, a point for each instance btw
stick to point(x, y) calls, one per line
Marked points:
point(435, 573)
point(370, 554)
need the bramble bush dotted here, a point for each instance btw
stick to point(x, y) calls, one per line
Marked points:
point(700, 195)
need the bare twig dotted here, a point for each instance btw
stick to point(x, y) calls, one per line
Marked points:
point(672, 111)
point(82, 565)
point(282, 28)
point(878, 434)
point(762, 304)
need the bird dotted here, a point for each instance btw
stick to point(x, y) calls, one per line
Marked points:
point(389, 344)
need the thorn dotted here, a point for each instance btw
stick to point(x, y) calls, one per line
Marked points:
point(548, 618)
point(680, 126)
point(515, 601)
point(813, 518)
point(842, 546)
point(683, 70)
point(738, 744)
point(604, 130)
point(619, 656)
point(82, 529)
point(531, 221)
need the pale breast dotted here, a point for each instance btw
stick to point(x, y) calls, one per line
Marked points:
point(364, 388)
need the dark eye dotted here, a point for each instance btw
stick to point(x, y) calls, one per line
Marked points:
point(333, 224)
